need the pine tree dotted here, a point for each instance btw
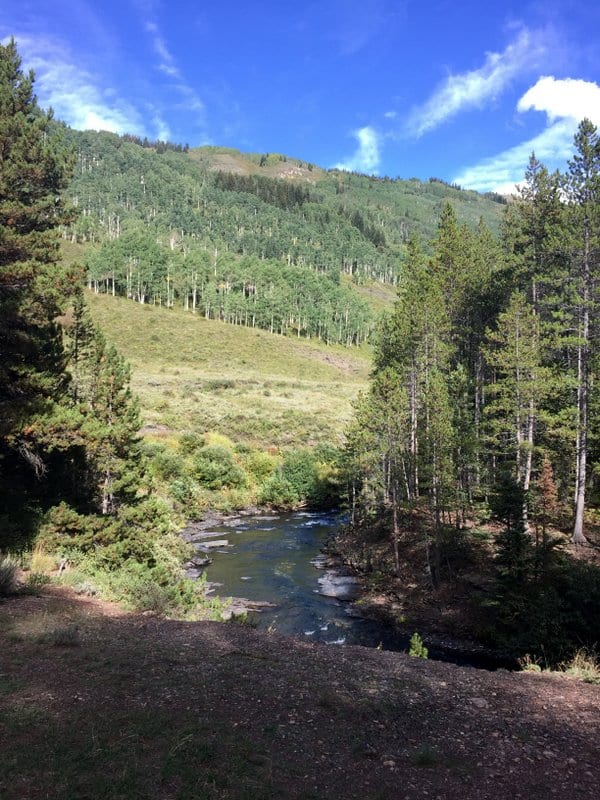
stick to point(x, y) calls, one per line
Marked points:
point(583, 186)
point(111, 429)
point(514, 353)
point(34, 168)
point(532, 236)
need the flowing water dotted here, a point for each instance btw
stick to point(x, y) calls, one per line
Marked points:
point(276, 558)
point(271, 558)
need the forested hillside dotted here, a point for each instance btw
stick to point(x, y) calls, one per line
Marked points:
point(262, 241)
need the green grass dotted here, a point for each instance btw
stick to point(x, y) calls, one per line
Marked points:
point(201, 375)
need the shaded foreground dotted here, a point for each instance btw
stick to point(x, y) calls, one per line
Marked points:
point(96, 703)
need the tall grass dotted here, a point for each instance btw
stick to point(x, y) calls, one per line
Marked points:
point(265, 390)
point(8, 575)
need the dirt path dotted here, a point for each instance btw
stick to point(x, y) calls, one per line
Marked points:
point(96, 703)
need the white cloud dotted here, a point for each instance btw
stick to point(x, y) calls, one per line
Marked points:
point(563, 98)
point(565, 103)
point(73, 93)
point(167, 62)
point(366, 157)
point(473, 89)
point(500, 173)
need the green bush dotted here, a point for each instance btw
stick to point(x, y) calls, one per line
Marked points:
point(189, 442)
point(303, 478)
point(260, 466)
point(64, 528)
point(214, 467)
point(278, 492)
point(184, 490)
point(416, 647)
point(167, 465)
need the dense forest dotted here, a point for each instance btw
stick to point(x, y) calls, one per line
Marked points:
point(72, 471)
point(483, 400)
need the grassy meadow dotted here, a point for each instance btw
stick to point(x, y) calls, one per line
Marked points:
point(193, 374)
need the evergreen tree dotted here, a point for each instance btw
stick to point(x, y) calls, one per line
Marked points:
point(583, 187)
point(520, 384)
point(111, 429)
point(34, 168)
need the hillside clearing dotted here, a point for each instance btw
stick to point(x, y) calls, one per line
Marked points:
point(266, 390)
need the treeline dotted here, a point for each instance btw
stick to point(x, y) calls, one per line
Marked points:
point(158, 145)
point(483, 397)
point(243, 290)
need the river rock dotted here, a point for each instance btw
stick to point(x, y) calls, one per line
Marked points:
point(202, 535)
point(192, 573)
point(212, 545)
point(323, 561)
point(199, 561)
point(240, 606)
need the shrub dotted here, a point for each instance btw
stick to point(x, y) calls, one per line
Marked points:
point(63, 527)
point(167, 465)
point(416, 647)
point(8, 575)
point(260, 465)
point(35, 581)
point(189, 442)
point(215, 468)
point(184, 490)
point(133, 534)
point(278, 492)
point(304, 477)
point(583, 665)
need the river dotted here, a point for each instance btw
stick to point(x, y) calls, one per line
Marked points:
point(276, 558)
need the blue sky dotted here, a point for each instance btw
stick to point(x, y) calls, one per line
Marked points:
point(454, 90)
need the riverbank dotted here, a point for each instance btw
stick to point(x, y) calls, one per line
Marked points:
point(467, 608)
point(99, 703)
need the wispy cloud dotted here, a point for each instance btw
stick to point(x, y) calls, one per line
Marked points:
point(75, 94)
point(502, 172)
point(366, 157)
point(167, 62)
point(565, 103)
point(473, 89)
point(168, 66)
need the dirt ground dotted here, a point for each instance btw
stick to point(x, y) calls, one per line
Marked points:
point(97, 703)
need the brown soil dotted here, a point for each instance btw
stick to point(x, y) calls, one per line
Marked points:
point(133, 706)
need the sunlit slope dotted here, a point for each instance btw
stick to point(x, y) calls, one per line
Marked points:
point(194, 374)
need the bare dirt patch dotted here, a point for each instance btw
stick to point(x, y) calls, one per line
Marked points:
point(140, 707)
